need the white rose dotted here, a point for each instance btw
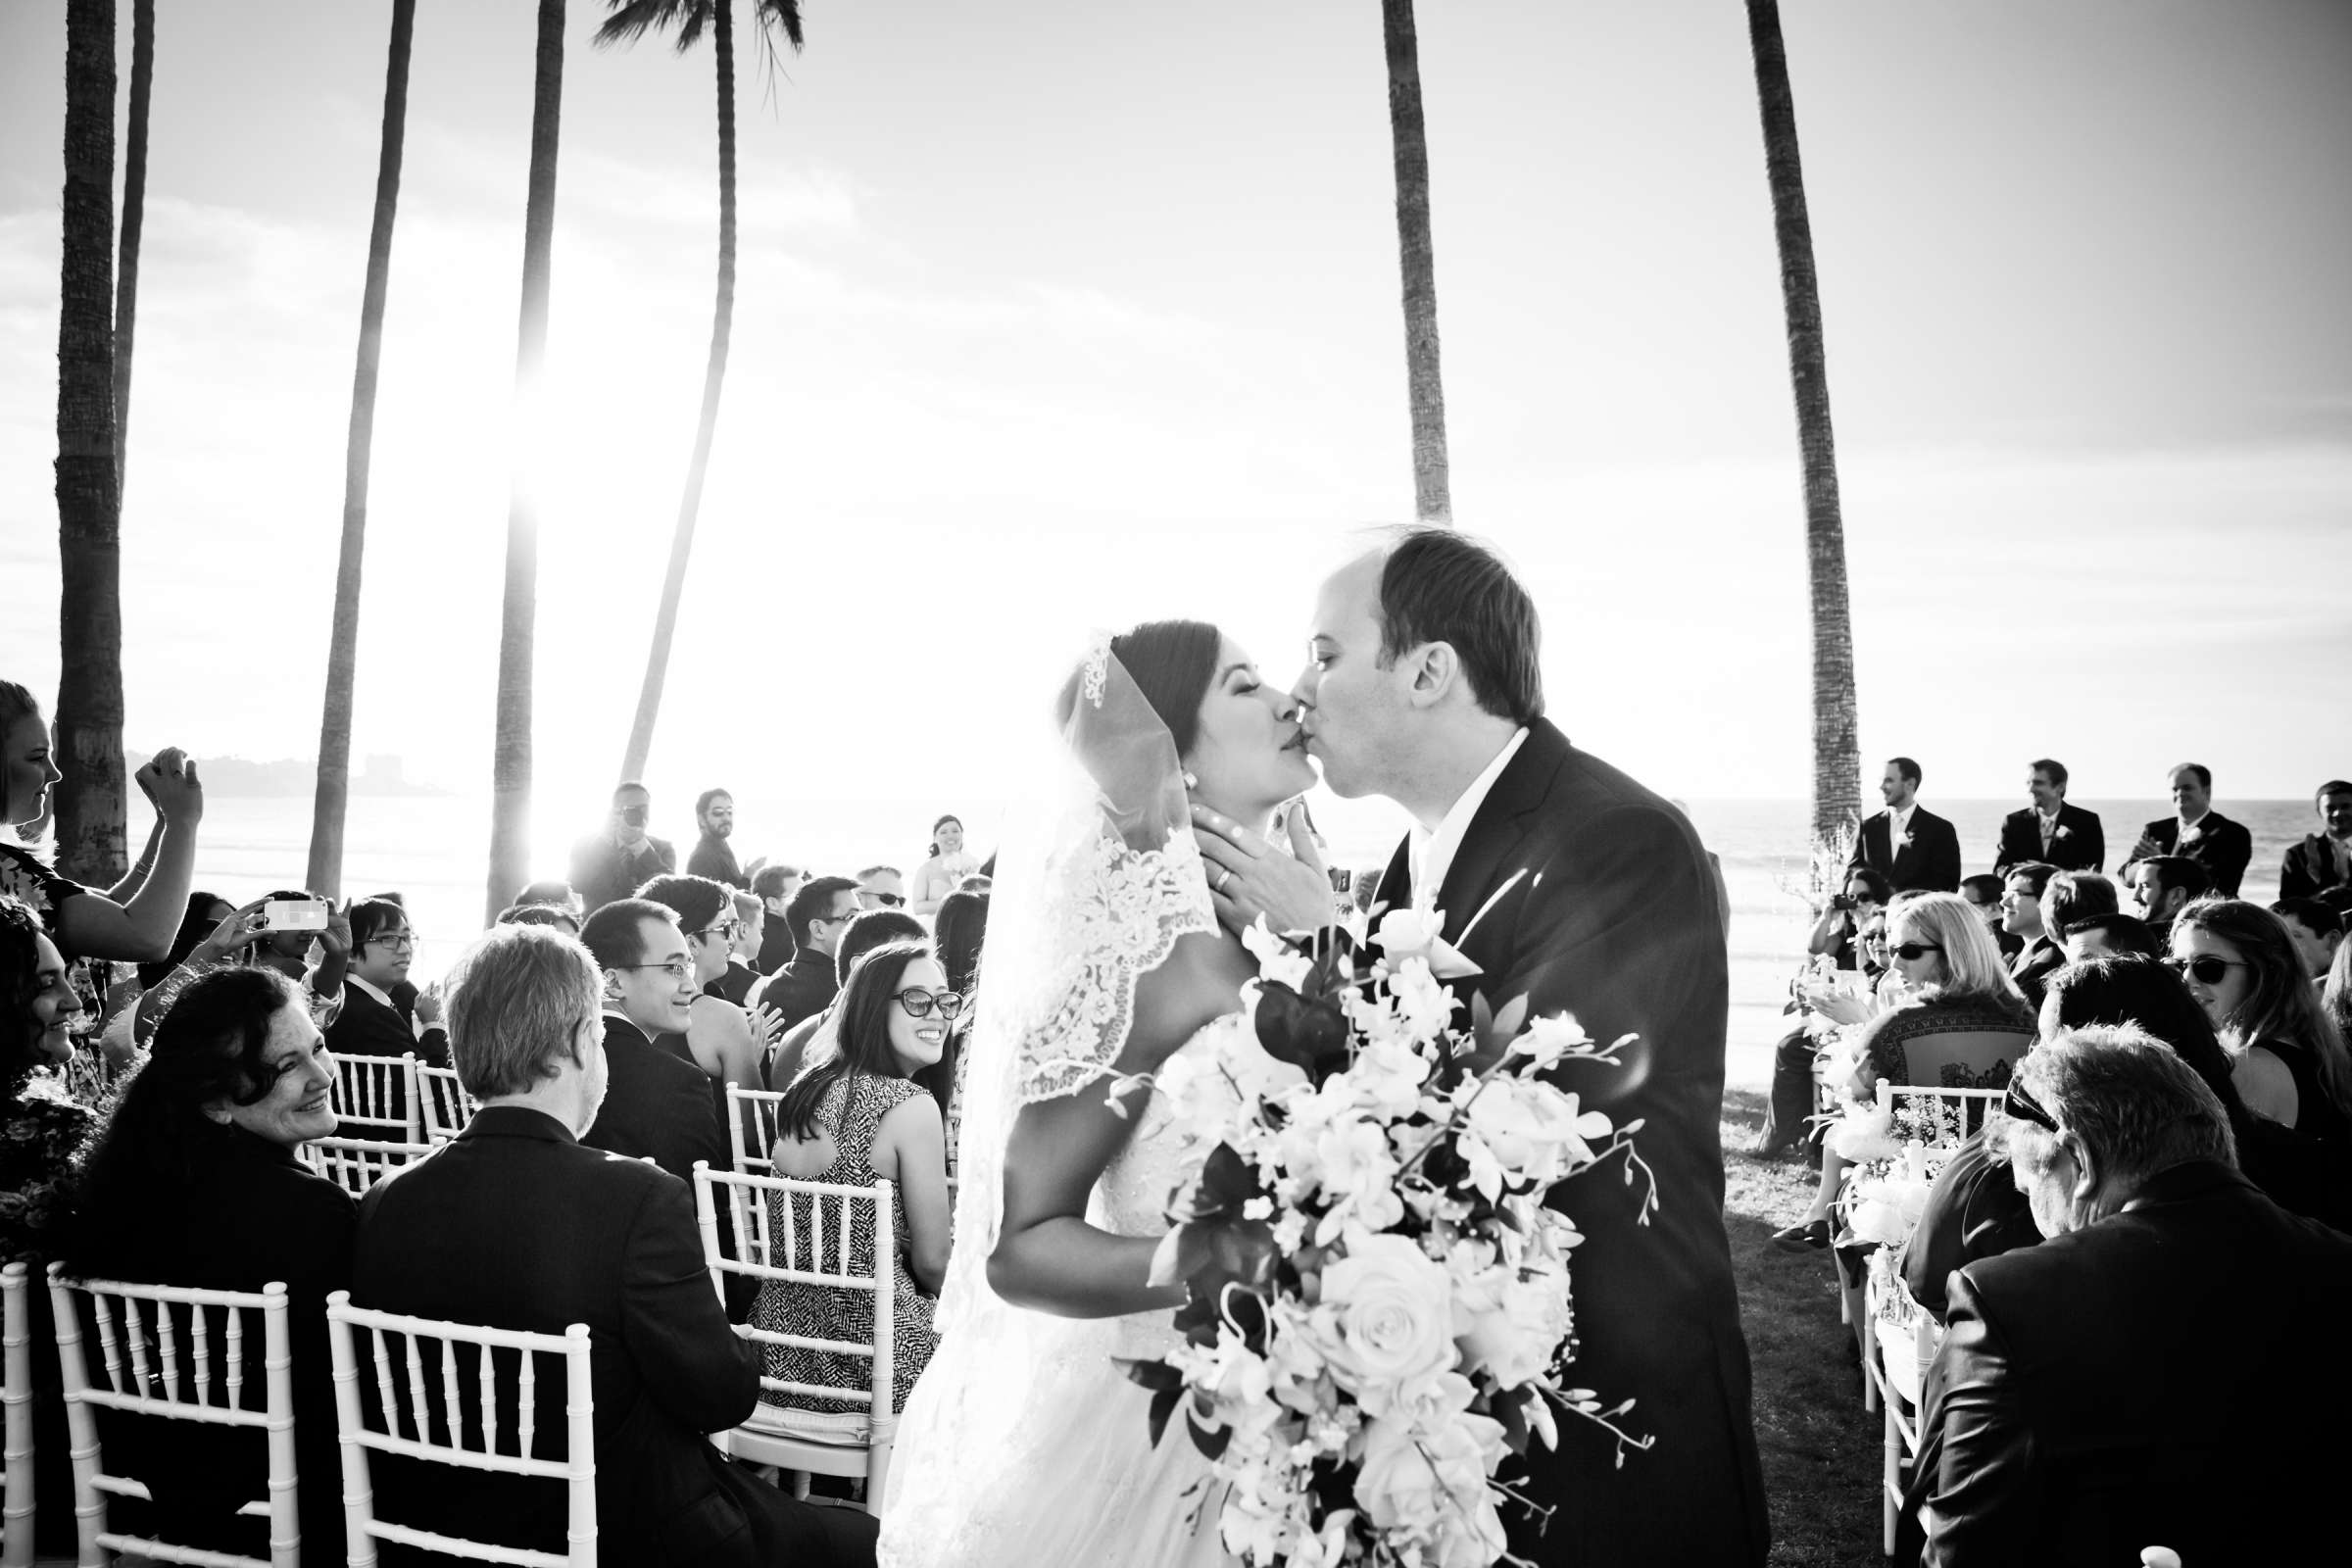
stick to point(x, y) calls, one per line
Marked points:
point(1414, 1474)
point(1393, 1308)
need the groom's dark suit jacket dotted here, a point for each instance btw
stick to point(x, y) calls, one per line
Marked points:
point(2082, 848)
point(1929, 862)
point(1615, 918)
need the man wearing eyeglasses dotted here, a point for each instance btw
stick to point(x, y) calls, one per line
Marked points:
point(819, 916)
point(2022, 917)
point(659, 1105)
point(624, 856)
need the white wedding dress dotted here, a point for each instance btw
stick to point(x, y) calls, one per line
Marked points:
point(1069, 1478)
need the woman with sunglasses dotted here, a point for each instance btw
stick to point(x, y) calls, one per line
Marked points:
point(2289, 1061)
point(894, 1014)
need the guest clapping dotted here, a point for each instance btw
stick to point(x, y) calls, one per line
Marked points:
point(2242, 968)
point(948, 864)
point(195, 1182)
point(2321, 865)
point(895, 1015)
point(383, 944)
point(2198, 832)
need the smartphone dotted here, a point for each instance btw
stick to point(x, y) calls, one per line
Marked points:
point(1841, 902)
point(294, 914)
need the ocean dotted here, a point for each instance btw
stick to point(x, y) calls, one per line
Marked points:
point(434, 850)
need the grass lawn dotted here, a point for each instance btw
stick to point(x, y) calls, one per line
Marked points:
point(1820, 1448)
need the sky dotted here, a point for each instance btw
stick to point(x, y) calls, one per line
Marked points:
point(1056, 314)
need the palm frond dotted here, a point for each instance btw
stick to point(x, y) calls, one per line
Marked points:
point(632, 20)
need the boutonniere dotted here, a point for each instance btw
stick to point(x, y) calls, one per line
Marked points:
point(2063, 833)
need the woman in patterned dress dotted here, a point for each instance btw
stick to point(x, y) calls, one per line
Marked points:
point(895, 1013)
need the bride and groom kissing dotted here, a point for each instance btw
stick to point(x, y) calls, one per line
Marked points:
point(1114, 948)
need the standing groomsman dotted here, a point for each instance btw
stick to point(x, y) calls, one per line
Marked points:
point(2049, 830)
point(2196, 832)
point(1907, 844)
point(2321, 865)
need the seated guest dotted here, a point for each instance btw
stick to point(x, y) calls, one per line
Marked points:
point(2335, 996)
point(751, 917)
point(2071, 896)
point(555, 917)
point(209, 919)
point(134, 919)
point(616, 863)
point(1982, 892)
point(2065, 1421)
point(2065, 837)
point(2242, 968)
point(194, 1182)
point(881, 1126)
point(2109, 935)
point(1961, 1025)
point(2320, 867)
point(2315, 929)
point(42, 1126)
point(660, 1105)
point(774, 886)
point(1907, 844)
point(2163, 885)
point(719, 1034)
point(2022, 917)
point(2196, 832)
point(950, 863)
point(382, 947)
point(1787, 1114)
point(819, 915)
point(959, 934)
point(714, 857)
point(553, 891)
point(517, 1225)
point(813, 1038)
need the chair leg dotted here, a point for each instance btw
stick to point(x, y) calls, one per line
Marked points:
point(1890, 1483)
point(1865, 1329)
point(800, 1484)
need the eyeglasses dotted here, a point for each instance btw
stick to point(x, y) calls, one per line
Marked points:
point(397, 941)
point(678, 969)
point(635, 816)
point(888, 900)
point(1913, 951)
point(2025, 1108)
point(918, 1002)
point(2206, 968)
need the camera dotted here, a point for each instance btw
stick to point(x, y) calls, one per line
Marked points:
point(293, 914)
point(1840, 901)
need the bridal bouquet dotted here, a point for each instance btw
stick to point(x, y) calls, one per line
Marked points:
point(1377, 1300)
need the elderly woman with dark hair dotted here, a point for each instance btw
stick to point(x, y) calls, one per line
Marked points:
point(195, 1182)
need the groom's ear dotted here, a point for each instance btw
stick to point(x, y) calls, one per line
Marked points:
point(1435, 668)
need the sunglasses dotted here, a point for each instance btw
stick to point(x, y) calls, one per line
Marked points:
point(2205, 969)
point(725, 930)
point(2025, 1108)
point(635, 816)
point(1913, 951)
point(888, 900)
point(918, 1002)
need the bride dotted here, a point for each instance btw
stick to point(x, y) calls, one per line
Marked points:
point(1024, 1442)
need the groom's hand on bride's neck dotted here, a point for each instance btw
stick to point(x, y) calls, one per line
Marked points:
point(1248, 876)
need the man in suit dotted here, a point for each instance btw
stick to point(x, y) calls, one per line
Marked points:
point(1907, 844)
point(714, 857)
point(2022, 917)
point(2321, 865)
point(660, 1105)
point(2162, 885)
point(1576, 888)
point(776, 884)
point(517, 1225)
point(2102, 1392)
point(2049, 830)
point(819, 915)
point(2198, 832)
point(624, 858)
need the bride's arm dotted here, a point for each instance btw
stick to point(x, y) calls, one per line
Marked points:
point(1047, 1257)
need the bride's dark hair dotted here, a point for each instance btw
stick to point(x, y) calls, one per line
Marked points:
point(1171, 662)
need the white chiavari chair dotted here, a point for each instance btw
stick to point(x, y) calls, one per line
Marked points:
point(445, 1104)
point(406, 1389)
point(15, 1415)
point(355, 1164)
point(161, 1355)
point(752, 1129)
point(814, 1251)
point(1907, 1340)
point(375, 1097)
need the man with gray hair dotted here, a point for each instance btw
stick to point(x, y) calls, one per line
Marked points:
point(2162, 1370)
point(517, 1224)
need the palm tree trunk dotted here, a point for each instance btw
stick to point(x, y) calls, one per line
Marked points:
point(1837, 755)
point(135, 211)
point(325, 874)
point(715, 375)
point(510, 762)
point(89, 688)
point(1433, 492)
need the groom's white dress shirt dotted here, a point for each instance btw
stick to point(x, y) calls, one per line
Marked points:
point(1430, 854)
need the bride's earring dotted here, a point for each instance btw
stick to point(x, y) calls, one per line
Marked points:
point(1192, 780)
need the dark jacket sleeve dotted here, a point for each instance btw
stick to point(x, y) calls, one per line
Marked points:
point(2232, 851)
point(2295, 878)
point(1974, 1211)
point(2094, 840)
point(1942, 850)
point(2004, 855)
point(1975, 1483)
point(694, 1367)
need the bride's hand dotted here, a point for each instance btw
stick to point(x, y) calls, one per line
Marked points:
point(1247, 877)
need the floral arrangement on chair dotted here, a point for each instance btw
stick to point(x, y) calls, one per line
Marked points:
point(1378, 1302)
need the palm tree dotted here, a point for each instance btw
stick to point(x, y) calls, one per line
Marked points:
point(629, 21)
point(511, 757)
point(1433, 493)
point(89, 687)
point(326, 874)
point(135, 213)
point(1837, 755)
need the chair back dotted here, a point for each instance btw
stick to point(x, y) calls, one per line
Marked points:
point(445, 1104)
point(355, 1164)
point(179, 1353)
point(1938, 1118)
point(416, 1377)
point(15, 1417)
point(811, 1249)
point(375, 1097)
point(1964, 1059)
point(752, 1129)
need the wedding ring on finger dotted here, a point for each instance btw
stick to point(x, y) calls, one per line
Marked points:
point(1223, 876)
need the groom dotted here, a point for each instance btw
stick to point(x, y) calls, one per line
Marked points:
point(1589, 896)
